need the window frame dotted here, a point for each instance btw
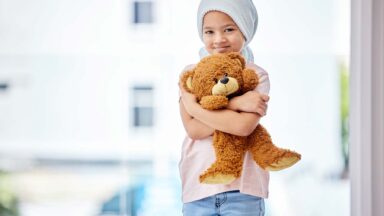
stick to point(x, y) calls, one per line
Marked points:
point(135, 105)
point(366, 106)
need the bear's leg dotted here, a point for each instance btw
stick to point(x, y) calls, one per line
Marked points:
point(229, 150)
point(267, 155)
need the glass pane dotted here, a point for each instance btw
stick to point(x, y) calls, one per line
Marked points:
point(143, 116)
point(143, 12)
point(4, 86)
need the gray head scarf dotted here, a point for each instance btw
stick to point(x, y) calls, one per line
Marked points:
point(242, 12)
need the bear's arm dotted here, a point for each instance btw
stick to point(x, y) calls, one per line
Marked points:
point(214, 102)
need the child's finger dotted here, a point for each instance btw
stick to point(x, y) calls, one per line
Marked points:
point(260, 111)
point(264, 106)
point(265, 98)
point(261, 105)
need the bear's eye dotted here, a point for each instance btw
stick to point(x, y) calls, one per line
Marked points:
point(214, 80)
point(226, 74)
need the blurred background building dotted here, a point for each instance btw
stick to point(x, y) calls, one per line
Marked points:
point(89, 121)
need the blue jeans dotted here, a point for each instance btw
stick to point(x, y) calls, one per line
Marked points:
point(231, 203)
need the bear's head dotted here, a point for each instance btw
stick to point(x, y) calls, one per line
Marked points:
point(222, 74)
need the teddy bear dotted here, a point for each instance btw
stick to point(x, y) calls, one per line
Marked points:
point(214, 81)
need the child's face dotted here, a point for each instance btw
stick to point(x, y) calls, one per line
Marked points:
point(221, 34)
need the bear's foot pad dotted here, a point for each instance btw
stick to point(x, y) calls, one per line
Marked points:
point(284, 163)
point(218, 178)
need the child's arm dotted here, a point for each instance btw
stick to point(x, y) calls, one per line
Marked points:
point(253, 101)
point(194, 128)
point(229, 121)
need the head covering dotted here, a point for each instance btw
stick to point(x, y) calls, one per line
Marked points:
point(242, 12)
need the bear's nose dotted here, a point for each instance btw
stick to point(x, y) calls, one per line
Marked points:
point(224, 80)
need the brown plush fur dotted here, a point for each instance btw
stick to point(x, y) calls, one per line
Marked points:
point(204, 81)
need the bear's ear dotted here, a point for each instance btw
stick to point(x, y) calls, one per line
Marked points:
point(250, 80)
point(238, 57)
point(186, 80)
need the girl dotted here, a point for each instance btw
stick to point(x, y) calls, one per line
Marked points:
point(224, 26)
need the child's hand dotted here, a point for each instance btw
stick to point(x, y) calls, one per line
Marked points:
point(251, 101)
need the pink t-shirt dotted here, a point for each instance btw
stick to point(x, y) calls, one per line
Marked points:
point(198, 155)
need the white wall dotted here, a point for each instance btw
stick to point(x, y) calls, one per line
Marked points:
point(72, 64)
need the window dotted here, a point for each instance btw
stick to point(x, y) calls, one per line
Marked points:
point(142, 106)
point(4, 86)
point(142, 12)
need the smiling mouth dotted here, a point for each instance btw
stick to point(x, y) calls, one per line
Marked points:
point(220, 49)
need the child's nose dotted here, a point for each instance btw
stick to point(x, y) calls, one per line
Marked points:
point(219, 38)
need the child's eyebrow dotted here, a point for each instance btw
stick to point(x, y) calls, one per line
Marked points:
point(223, 26)
point(207, 27)
point(229, 25)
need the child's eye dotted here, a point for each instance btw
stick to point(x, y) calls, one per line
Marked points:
point(208, 32)
point(229, 29)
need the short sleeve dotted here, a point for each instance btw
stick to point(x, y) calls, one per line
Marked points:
point(264, 85)
point(187, 68)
